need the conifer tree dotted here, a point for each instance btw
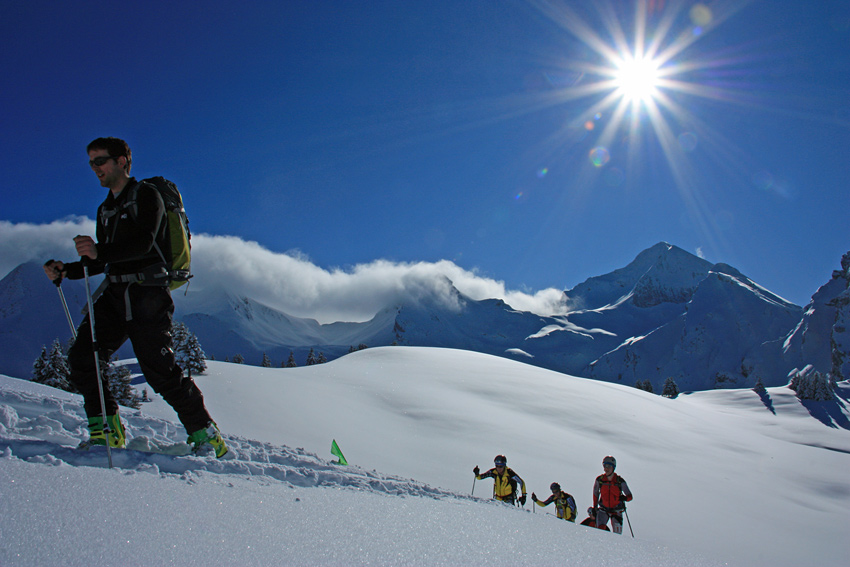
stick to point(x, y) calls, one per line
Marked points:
point(810, 384)
point(120, 384)
point(670, 388)
point(39, 367)
point(267, 362)
point(179, 333)
point(822, 388)
point(238, 359)
point(197, 363)
point(321, 358)
point(57, 366)
point(51, 369)
point(179, 342)
point(311, 358)
point(187, 350)
point(290, 362)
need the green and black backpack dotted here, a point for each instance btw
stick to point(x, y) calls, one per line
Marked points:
point(176, 251)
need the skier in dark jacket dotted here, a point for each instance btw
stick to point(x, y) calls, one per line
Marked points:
point(565, 504)
point(133, 305)
point(505, 481)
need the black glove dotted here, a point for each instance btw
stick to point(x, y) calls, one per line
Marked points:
point(533, 497)
point(476, 470)
point(522, 500)
point(620, 507)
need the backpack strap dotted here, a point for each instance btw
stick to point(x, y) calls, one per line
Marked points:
point(132, 206)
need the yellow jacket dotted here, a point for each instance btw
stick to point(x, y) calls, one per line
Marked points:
point(565, 505)
point(505, 484)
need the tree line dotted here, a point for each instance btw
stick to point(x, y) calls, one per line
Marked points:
point(807, 384)
point(312, 358)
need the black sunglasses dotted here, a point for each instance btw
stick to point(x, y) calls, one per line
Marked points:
point(99, 161)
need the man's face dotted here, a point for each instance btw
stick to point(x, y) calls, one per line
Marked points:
point(109, 170)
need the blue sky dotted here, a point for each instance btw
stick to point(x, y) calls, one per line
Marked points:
point(461, 131)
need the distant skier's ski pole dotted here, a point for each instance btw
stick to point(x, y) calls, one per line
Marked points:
point(473, 487)
point(58, 283)
point(95, 348)
point(626, 514)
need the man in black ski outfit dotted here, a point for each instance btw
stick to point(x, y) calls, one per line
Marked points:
point(132, 306)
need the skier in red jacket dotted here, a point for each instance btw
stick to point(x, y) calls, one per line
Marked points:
point(610, 494)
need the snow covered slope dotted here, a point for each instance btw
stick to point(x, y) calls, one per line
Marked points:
point(722, 477)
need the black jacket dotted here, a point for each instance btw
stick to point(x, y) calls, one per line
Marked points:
point(125, 244)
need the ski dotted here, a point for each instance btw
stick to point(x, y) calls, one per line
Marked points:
point(146, 445)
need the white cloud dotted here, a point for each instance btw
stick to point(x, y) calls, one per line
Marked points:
point(290, 282)
point(26, 242)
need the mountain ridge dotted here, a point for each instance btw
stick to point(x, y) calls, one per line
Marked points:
point(667, 313)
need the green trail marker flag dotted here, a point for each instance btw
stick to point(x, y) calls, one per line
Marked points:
point(337, 453)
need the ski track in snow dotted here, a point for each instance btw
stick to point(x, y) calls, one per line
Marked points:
point(39, 429)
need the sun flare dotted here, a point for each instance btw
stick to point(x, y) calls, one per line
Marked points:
point(640, 77)
point(632, 83)
point(637, 78)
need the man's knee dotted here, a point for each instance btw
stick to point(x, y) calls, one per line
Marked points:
point(81, 356)
point(617, 524)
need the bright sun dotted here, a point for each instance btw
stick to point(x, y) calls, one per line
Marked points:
point(637, 78)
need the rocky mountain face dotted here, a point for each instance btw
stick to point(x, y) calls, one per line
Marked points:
point(666, 314)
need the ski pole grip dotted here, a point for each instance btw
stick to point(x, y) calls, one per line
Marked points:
point(56, 281)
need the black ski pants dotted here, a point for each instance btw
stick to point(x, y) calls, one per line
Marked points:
point(148, 326)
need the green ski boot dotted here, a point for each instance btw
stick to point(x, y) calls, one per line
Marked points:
point(97, 435)
point(209, 435)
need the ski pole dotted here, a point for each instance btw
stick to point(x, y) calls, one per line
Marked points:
point(473, 487)
point(58, 283)
point(626, 514)
point(95, 348)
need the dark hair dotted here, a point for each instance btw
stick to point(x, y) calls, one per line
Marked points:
point(115, 146)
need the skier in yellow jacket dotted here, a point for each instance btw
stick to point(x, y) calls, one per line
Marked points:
point(506, 481)
point(565, 504)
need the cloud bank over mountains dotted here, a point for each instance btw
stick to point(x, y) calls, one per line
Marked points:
point(290, 281)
